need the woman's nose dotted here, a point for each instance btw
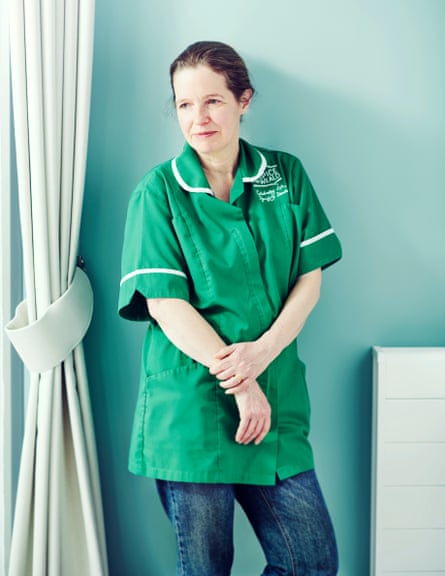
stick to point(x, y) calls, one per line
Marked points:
point(201, 115)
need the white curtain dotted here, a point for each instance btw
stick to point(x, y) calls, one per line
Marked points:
point(58, 523)
point(5, 296)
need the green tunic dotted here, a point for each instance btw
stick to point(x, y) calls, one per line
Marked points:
point(235, 263)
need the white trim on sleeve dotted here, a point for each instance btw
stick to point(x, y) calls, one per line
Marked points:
point(152, 271)
point(317, 237)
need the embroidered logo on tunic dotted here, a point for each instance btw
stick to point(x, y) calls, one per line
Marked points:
point(268, 186)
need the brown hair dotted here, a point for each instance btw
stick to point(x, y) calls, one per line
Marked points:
point(221, 58)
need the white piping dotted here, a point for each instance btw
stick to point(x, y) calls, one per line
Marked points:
point(152, 271)
point(260, 171)
point(183, 184)
point(317, 237)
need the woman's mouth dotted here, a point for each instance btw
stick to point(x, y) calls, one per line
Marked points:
point(206, 134)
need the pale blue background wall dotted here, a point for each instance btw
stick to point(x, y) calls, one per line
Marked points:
point(357, 90)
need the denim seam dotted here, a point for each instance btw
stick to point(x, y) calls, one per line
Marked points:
point(283, 532)
point(218, 431)
point(178, 530)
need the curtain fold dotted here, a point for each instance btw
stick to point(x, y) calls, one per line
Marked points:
point(58, 523)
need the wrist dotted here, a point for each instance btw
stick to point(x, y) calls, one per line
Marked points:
point(270, 346)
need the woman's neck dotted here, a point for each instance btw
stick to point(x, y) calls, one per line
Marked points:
point(220, 172)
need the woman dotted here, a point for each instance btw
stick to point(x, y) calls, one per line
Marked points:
point(223, 252)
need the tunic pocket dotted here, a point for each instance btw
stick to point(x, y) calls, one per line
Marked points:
point(293, 226)
point(295, 408)
point(180, 421)
point(293, 221)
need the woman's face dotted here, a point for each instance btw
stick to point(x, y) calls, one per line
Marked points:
point(208, 112)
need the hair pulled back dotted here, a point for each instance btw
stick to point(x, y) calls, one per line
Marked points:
point(221, 58)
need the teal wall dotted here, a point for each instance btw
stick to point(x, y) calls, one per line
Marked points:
point(357, 90)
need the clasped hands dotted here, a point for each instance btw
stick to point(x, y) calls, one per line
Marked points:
point(237, 367)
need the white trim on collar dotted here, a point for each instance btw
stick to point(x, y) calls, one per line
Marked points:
point(184, 185)
point(204, 190)
point(260, 171)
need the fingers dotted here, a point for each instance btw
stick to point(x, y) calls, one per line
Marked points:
point(223, 369)
point(262, 434)
point(246, 358)
point(226, 361)
point(227, 374)
point(255, 414)
point(252, 430)
point(226, 351)
point(246, 431)
point(233, 384)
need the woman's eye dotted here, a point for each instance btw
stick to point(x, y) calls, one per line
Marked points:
point(212, 101)
point(183, 106)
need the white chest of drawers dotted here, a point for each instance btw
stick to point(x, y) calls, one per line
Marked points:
point(408, 462)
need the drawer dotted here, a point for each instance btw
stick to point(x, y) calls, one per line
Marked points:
point(410, 573)
point(417, 374)
point(412, 421)
point(413, 507)
point(413, 550)
point(408, 464)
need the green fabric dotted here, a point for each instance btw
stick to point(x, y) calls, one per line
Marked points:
point(235, 263)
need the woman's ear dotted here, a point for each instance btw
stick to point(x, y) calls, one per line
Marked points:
point(246, 99)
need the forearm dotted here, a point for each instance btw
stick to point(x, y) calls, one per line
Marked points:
point(301, 301)
point(186, 328)
point(250, 359)
point(193, 335)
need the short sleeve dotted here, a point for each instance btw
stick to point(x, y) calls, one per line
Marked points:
point(152, 262)
point(319, 244)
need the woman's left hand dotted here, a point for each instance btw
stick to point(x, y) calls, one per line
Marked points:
point(241, 361)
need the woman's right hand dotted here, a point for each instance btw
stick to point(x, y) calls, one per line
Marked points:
point(255, 413)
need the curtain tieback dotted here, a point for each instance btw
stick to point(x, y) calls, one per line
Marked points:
point(45, 343)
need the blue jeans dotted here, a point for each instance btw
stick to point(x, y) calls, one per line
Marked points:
point(290, 520)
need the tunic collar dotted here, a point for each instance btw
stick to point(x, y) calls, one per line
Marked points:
point(190, 176)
